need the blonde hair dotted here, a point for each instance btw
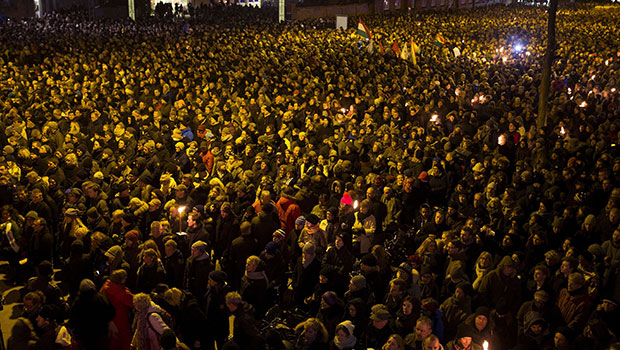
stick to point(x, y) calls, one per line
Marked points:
point(316, 324)
point(173, 296)
point(141, 301)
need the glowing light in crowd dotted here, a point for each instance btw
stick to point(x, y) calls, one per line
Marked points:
point(181, 210)
point(518, 47)
point(527, 53)
point(435, 118)
point(501, 49)
point(570, 91)
point(501, 140)
point(485, 345)
point(504, 59)
point(593, 77)
point(607, 62)
point(355, 204)
point(613, 89)
point(583, 104)
point(562, 131)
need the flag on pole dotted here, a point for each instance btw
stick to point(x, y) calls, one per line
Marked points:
point(371, 47)
point(440, 40)
point(404, 54)
point(415, 49)
point(363, 31)
point(396, 49)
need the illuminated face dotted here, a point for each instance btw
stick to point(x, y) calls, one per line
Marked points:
point(423, 330)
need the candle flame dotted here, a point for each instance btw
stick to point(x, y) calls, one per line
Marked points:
point(562, 131)
point(485, 345)
point(613, 89)
point(355, 204)
point(181, 210)
point(434, 117)
point(583, 104)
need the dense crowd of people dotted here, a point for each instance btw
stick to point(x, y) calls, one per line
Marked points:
point(236, 183)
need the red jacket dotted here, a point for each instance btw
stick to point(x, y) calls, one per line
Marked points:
point(122, 300)
point(288, 211)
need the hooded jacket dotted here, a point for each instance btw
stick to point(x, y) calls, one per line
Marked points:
point(495, 286)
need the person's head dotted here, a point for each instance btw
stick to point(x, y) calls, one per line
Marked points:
point(397, 287)
point(119, 276)
point(431, 343)
point(312, 330)
point(540, 299)
point(609, 305)
point(344, 331)
point(170, 247)
point(193, 219)
point(575, 281)
point(33, 300)
point(380, 316)
point(357, 283)
point(394, 342)
point(141, 302)
point(198, 248)
point(466, 235)
point(233, 301)
point(47, 316)
point(562, 338)
point(408, 305)
point(423, 327)
point(541, 272)
point(308, 251)
point(481, 318)
point(252, 263)
point(149, 256)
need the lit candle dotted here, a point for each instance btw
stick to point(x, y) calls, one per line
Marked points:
point(562, 131)
point(485, 345)
point(355, 204)
point(583, 104)
point(434, 117)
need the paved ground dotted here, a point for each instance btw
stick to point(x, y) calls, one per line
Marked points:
point(12, 307)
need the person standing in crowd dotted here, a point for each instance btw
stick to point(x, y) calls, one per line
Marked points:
point(122, 300)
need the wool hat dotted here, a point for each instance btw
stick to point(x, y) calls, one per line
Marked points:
point(313, 219)
point(218, 276)
point(200, 245)
point(348, 325)
point(380, 312)
point(463, 331)
point(132, 236)
point(300, 221)
point(330, 298)
point(279, 233)
point(369, 260)
point(114, 251)
point(346, 199)
point(271, 248)
point(359, 281)
point(423, 176)
point(483, 311)
point(72, 212)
